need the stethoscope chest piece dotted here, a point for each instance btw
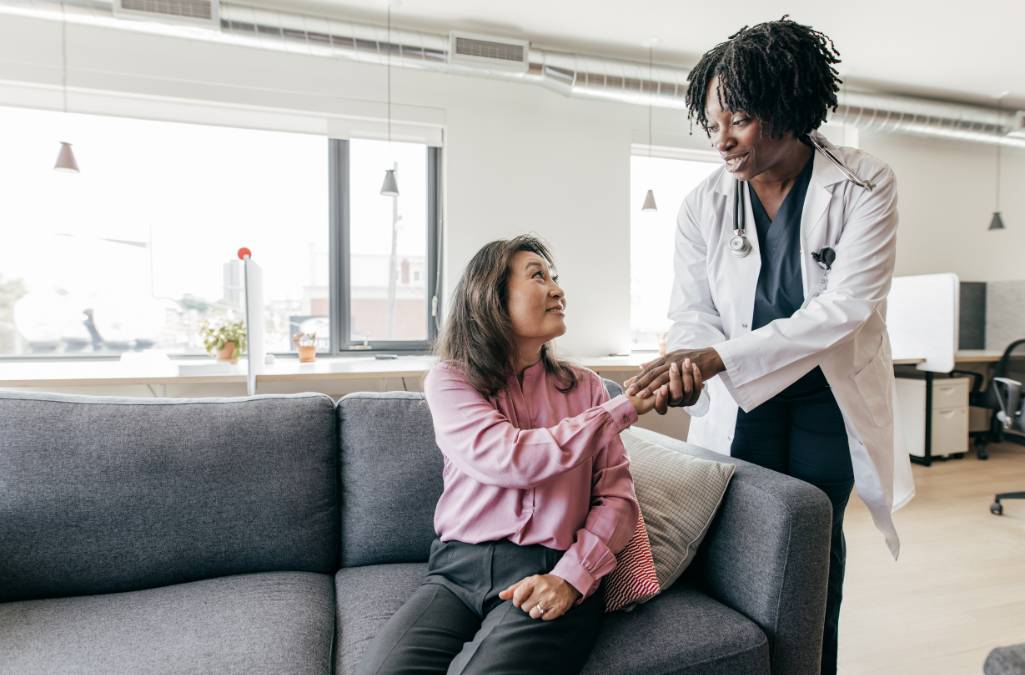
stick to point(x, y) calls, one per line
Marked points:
point(740, 246)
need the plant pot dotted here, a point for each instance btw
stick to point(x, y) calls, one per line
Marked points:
point(227, 353)
point(307, 353)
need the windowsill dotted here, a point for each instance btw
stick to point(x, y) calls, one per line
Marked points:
point(204, 370)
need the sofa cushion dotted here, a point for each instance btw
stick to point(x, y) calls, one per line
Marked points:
point(272, 622)
point(365, 598)
point(680, 631)
point(101, 494)
point(391, 478)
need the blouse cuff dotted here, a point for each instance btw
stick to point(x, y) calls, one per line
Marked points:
point(622, 412)
point(576, 576)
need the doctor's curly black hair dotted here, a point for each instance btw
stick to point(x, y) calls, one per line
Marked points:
point(780, 72)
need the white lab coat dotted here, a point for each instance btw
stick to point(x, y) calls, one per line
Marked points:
point(840, 327)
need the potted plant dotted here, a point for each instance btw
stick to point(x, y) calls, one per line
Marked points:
point(227, 340)
point(306, 343)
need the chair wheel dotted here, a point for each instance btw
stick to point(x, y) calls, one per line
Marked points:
point(982, 453)
point(996, 508)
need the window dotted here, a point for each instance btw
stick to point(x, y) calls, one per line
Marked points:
point(652, 237)
point(137, 250)
point(389, 243)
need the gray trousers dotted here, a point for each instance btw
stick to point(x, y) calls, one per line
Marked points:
point(455, 623)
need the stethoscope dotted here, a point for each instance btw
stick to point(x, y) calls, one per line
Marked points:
point(739, 244)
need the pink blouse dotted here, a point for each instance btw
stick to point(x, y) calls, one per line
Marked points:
point(536, 466)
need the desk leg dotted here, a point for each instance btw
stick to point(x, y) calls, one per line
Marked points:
point(927, 459)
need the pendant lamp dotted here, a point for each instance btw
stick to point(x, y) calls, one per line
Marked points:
point(649, 197)
point(390, 187)
point(65, 156)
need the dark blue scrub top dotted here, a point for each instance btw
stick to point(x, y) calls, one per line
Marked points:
point(780, 291)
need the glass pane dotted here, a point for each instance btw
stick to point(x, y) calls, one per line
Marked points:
point(139, 249)
point(388, 242)
point(652, 240)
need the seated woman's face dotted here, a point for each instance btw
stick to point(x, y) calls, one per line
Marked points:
point(537, 306)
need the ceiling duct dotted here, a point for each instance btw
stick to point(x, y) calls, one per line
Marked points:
point(569, 74)
point(489, 52)
point(195, 12)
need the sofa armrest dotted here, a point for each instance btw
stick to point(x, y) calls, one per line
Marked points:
point(767, 556)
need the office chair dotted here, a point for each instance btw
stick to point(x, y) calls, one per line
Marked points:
point(1003, 396)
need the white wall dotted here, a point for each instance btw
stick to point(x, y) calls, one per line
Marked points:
point(517, 157)
point(946, 193)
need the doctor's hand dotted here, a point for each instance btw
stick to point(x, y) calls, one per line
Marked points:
point(656, 374)
point(683, 389)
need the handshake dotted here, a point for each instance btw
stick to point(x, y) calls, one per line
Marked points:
point(674, 380)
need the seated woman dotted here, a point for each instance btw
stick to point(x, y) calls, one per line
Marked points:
point(538, 498)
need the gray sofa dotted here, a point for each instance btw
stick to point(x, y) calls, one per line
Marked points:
point(275, 534)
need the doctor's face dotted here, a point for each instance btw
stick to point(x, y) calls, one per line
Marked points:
point(740, 139)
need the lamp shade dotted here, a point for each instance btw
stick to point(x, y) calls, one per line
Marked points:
point(66, 159)
point(997, 223)
point(389, 188)
point(649, 202)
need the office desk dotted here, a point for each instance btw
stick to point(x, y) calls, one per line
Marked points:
point(961, 358)
point(966, 356)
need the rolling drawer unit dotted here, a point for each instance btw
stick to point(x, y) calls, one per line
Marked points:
point(934, 416)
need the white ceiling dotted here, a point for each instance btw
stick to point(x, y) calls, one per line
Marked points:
point(965, 51)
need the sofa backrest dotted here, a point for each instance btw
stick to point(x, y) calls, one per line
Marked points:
point(105, 494)
point(391, 477)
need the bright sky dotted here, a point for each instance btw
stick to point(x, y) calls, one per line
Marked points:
point(198, 193)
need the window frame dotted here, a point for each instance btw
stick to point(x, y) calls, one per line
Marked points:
point(338, 243)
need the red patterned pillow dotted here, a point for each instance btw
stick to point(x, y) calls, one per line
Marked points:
point(634, 579)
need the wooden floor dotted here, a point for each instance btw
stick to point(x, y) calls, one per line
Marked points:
point(958, 589)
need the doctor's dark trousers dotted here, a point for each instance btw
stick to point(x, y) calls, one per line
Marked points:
point(800, 432)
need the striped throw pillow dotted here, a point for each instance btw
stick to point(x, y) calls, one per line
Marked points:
point(634, 580)
point(679, 496)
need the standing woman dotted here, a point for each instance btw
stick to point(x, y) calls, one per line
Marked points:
point(783, 261)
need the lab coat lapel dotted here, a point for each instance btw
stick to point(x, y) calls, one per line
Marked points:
point(814, 216)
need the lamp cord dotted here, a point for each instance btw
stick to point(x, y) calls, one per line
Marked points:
point(389, 73)
point(1000, 107)
point(64, 57)
point(650, 48)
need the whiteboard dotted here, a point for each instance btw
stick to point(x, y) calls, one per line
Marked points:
point(922, 319)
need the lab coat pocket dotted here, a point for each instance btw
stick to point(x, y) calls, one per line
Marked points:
point(873, 383)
